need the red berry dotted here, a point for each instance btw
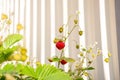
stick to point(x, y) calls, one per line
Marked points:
point(63, 62)
point(50, 60)
point(60, 45)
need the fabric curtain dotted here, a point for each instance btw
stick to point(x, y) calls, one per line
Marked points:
point(42, 19)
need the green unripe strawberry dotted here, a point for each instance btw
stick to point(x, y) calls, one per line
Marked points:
point(61, 29)
point(76, 21)
point(80, 32)
point(77, 46)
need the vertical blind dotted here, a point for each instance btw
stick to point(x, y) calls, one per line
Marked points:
point(42, 19)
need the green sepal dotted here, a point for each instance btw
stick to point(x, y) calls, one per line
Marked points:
point(55, 59)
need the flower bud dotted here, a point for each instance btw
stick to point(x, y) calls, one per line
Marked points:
point(55, 40)
point(81, 54)
point(9, 22)
point(106, 60)
point(23, 51)
point(93, 55)
point(19, 27)
point(109, 54)
point(4, 16)
point(23, 58)
point(17, 57)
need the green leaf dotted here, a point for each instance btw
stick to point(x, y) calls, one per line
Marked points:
point(47, 70)
point(2, 58)
point(4, 55)
point(26, 70)
point(2, 78)
point(19, 67)
point(1, 49)
point(8, 68)
point(58, 76)
point(38, 70)
point(69, 59)
point(29, 78)
point(8, 51)
point(11, 39)
point(89, 68)
point(52, 73)
point(42, 72)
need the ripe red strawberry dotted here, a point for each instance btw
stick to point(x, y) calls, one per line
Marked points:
point(63, 62)
point(50, 60)
point(60, 45)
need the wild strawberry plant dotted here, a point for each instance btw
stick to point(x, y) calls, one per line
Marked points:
point(86, 56)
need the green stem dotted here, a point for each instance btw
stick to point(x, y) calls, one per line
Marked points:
point(61, 55)
point(70, 32)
